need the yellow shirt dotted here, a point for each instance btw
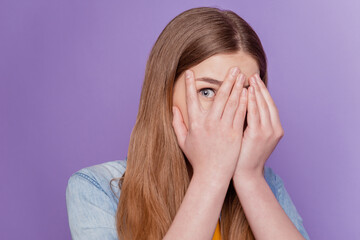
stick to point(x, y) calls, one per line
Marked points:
point(217, 234)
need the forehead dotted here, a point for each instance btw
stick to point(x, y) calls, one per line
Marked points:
point(217, 66)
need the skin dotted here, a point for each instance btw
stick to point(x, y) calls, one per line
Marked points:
point(209, 130)
point(215, 67)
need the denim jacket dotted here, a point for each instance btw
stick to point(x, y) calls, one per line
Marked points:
point(92, 203)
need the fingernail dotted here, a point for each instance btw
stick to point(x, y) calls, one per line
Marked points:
point(234, 71)
point(238, 81)
point(242, 78)
point(253, 80)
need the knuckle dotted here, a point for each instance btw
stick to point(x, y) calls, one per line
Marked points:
point(189, 99)
point(269, 134)
point(244, 97)
point(233, 136)
point(242, 106)
point(194, 125)
point(232, 103)
point(208, 124)
point(227, 84)
point(189, 85)
point(262, 104)
point(253, 111)
point(257, 136)
point(242, 110)
point(191, 96)
point(264, 132)
point(252, 97)
point(221, 94)
point(280, 133)
point(223, 129)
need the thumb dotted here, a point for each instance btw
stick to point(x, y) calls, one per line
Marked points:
point(179, 126)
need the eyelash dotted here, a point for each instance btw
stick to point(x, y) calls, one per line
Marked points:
point(207, 89)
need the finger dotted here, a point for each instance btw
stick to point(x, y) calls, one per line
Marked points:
point(179, 126)
point(239, 118)
point(262, 104)
point(222, 94)
point(253, 117)
point(192, 101)
point(274, 113)
point(233, 101)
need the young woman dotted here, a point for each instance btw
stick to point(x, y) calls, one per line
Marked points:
point(195, 167)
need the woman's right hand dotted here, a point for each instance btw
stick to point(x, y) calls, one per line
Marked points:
point(213, 140)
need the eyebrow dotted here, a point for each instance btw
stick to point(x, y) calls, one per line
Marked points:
point(213, 81)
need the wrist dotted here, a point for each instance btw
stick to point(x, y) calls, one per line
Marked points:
point(249, 187)
point(248, 177)
point(212, 178)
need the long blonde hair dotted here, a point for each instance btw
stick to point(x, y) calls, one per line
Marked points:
point(158, 173)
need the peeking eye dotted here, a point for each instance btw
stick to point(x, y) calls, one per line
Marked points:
point(207, 92)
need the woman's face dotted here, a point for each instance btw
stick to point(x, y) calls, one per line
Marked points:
point(215, 67)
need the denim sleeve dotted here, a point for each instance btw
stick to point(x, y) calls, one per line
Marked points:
point(289, 207)
point(90, 213)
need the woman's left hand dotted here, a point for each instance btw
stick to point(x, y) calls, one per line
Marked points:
point(262, 134)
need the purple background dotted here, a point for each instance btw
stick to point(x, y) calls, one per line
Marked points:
point(71, 74)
